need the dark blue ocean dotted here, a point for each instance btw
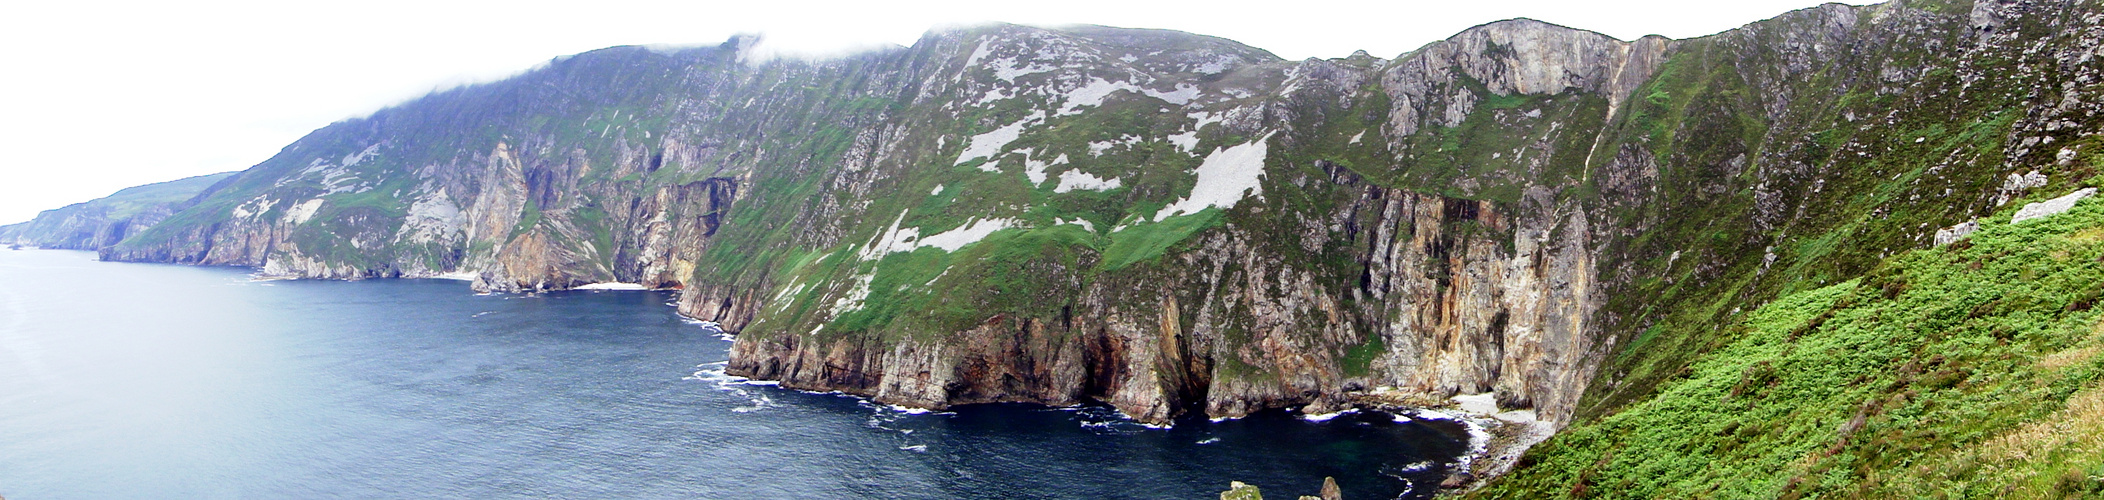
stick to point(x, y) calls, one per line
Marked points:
point(160, 381)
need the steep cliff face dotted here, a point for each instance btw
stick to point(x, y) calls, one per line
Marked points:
point(1292, 273)
point(99, 223)
point(1171, 223)
point(1099, 222)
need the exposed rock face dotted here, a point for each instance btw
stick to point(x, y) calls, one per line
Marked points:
point(1171, 223)
point(1956, 232)
point(1519, 57)
point(1441, 295)
point(2032, 211)
point(1240, 491)
point(1464, 313)
point(1237, 490)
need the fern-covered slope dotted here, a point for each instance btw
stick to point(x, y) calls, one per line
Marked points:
point(1965, 371)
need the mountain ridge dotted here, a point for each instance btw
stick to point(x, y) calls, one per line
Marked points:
point(101, 222)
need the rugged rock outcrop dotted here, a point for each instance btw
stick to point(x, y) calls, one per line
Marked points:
point(1384, 291)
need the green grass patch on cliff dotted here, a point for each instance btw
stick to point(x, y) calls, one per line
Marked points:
point(1148, 241)
point(928, 291)
point(1965, 371)
point(529, 217)
point(1358, 361)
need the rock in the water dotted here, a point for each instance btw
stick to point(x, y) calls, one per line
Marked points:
point(1330, 491)
point(1238, 490)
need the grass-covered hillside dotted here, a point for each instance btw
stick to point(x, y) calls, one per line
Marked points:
point(104, 221)
point(130, 201)
point(1970, 370)
point(1782, 329)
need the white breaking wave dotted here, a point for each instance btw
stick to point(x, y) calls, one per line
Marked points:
point(613, 286)
point(1325, 417)
point(756, 400)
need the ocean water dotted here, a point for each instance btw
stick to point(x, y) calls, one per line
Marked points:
point(159, 381)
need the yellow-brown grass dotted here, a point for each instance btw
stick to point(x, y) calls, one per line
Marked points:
point(2077, 430)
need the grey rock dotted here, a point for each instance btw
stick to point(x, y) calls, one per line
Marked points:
point(2051, 207)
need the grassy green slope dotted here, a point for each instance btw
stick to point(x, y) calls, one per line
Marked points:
point(928, 290)
point(1791, 339)
point(1969, 370)
point(129, 201)
point(61, 225)
point(1847, 173)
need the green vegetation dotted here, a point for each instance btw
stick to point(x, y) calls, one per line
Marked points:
point(1967, 371)
point(87, 224)
point(1358, 360)
point(529, 218)
point(129, 201)
point(1775, 327)
point(1789, 201)
point(1148, 241)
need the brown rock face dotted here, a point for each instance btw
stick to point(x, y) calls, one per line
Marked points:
point(1367, 290)
point(1002, 360)
point(1454, 309)
point(1444, 295)
point(1402, 295)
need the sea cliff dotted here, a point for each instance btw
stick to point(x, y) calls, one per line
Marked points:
point(1176, 224)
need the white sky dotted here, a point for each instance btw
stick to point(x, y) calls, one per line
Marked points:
point(99, 96)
